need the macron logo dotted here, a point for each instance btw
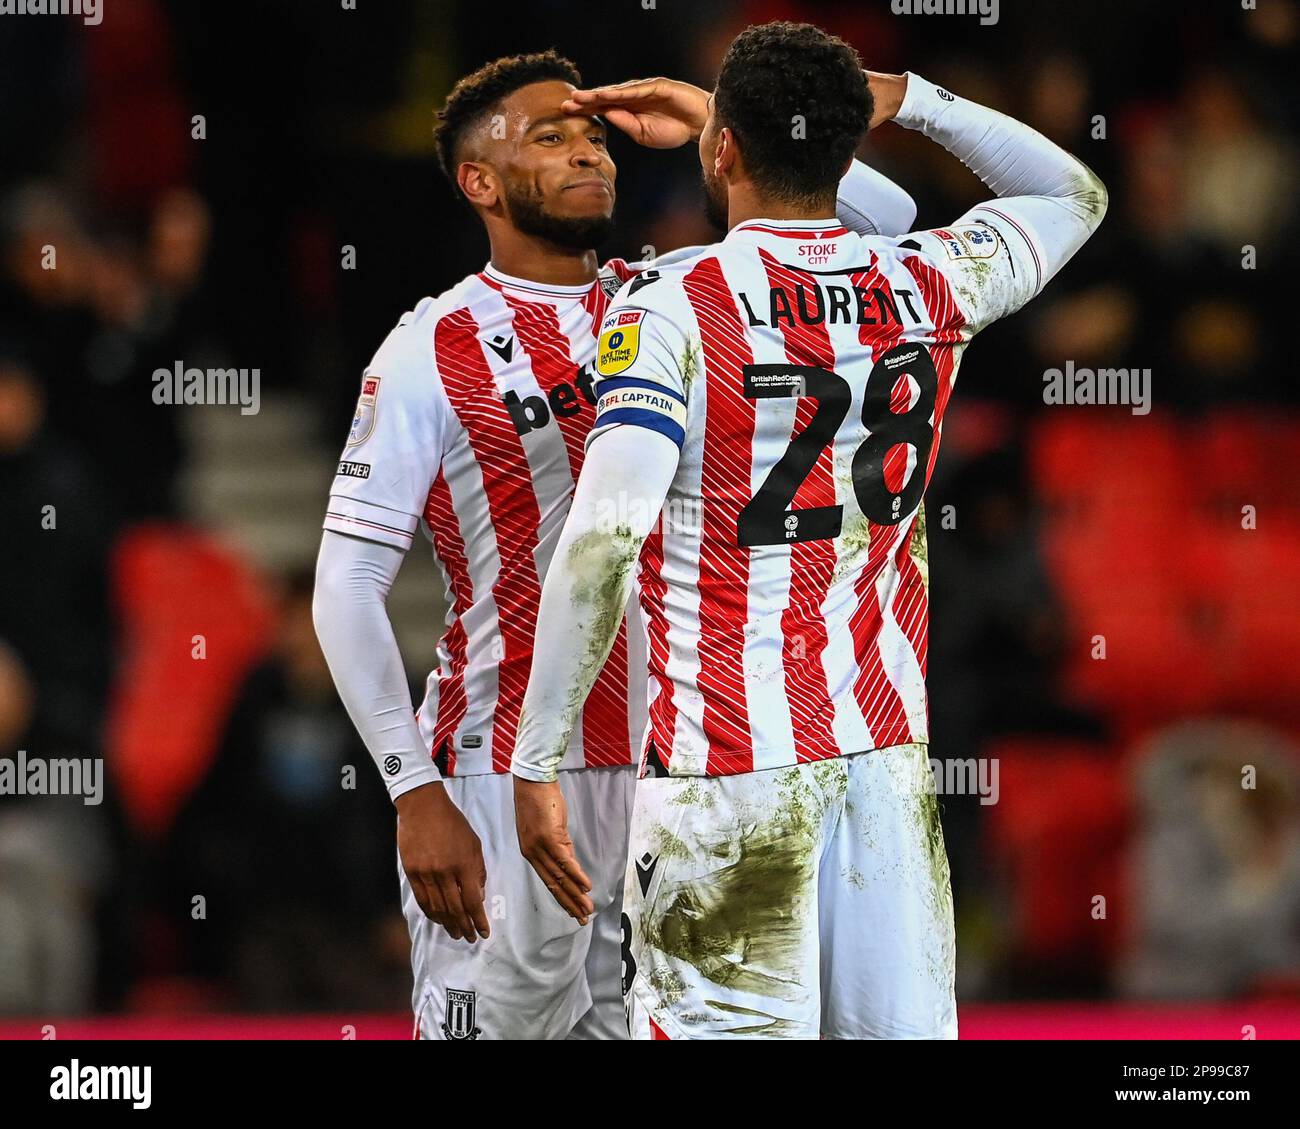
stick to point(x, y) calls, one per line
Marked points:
point(102, 1083)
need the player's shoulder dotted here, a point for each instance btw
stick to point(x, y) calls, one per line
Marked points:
point(658, 285)
point(420, 323)
point(650, 317)
point(614, 273)
point(622, 271)
point(408, 355)
point(962, 243)
point(969, 264)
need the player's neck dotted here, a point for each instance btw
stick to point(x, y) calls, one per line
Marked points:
point(537, 260)
point(744, 205)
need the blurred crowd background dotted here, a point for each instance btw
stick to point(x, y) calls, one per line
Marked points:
point(164, 624)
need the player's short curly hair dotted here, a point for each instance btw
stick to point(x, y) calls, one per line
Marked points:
point(476, 95)
point(799, 104)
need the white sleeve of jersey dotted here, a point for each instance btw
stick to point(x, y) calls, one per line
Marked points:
point(1001, 254)
point(869, 203)
point(621, 489)
point(396, 444)
point(353, 578)
point(645, 362)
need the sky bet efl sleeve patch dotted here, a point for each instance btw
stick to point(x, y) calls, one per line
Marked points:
point(970, 241)
point(620, 341)
point(363, 422)
point(642, 403)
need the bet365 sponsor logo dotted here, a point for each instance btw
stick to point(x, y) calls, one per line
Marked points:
point(565, 399)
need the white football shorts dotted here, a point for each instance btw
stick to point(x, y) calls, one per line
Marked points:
point(540, 975)
point(795, 902)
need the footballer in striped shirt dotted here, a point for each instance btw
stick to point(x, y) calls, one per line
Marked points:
point(470, 429)
point(786, 872)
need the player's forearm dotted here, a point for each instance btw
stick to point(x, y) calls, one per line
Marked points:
point(619, 495)
point(1056, 196)
point(1012, 158)
point(353, 578)
point(583, 599)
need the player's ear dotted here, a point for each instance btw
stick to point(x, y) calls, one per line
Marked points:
point(726, 153)
point(478, 182)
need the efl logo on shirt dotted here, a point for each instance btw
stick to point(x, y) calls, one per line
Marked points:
point(950, 243)
point(620, 341)
point(975, 242)
point(363, 423)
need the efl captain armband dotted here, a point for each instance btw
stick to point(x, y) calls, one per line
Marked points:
point(628, 399)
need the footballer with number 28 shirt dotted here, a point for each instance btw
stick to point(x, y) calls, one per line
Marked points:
point(786, 873)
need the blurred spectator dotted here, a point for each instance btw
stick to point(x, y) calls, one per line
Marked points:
point(1216, 879)
point(53, 573)
point(291, 841)
point(995, 638)
point(55, 651)
point(1240, 176)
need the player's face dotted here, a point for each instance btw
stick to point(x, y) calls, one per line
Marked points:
point(557, 173)
point(715, 189)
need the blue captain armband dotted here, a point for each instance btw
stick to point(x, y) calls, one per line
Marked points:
point(627, 399)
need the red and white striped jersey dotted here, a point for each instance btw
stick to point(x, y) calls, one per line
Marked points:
point(804, 375)
point(471, 422)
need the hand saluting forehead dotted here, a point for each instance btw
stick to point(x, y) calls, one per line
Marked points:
point(659, 113)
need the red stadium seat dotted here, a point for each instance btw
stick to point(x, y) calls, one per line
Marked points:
point(1107, 463)
point(168, 708)
point(1057, 832)
point(1143, 535)
point(1247, 458)
point(1250, 579)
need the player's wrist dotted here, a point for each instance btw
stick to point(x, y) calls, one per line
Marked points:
point(428, 797)
point(694, 101)
point(922, 103)
point(532, 774)
point(888, 92)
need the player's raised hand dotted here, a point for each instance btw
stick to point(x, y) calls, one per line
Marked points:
point(443, 860)
point(542, 824)
point(660, 113)
point(887, 91)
